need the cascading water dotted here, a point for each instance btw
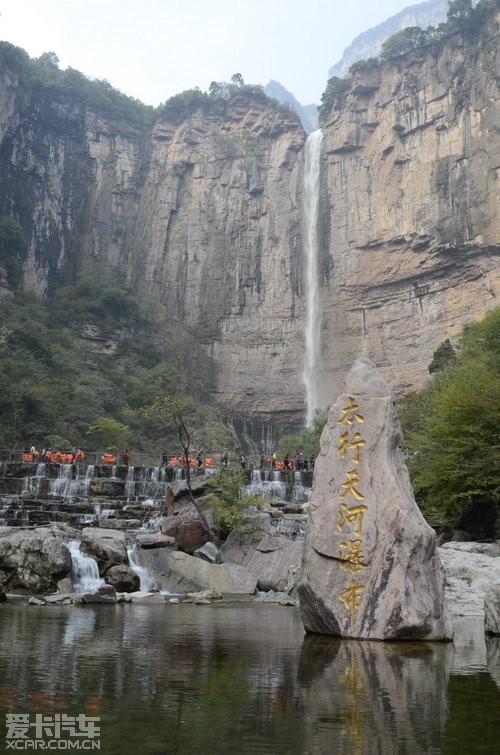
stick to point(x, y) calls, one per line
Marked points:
point(147, 582)
point(84, 570)
point(300, 493)
point(269, 489)
point(64, 485)
point(31, 485)
point(312, 330)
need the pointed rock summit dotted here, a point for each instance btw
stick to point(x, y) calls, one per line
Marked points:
point(370, 567)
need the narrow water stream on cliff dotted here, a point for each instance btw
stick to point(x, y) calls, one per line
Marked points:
point(312, 329)
point(243, 678)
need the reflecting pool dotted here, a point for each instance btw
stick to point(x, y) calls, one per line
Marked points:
point(243, 678)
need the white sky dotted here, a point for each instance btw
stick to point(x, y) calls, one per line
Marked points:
point(153, 49)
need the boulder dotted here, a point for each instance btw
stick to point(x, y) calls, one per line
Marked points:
point(470, 569)
point(276, 597)
point(208, 552)
point(204, 595)
point(187, 528)
point(63, 598)
point(178, 572)
point(34, 559)
point(122, 578)
point(148, 598)
point(370, 567)
point(36, 602)
point(155, 540)
point(179, 490)
point(107, 546)
point(65, 585)
point(94, 597)
point(267, 554)
point(108, 590)
point(492, 609)
point(119, 524)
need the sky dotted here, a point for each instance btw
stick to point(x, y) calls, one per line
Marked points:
point(154, 49)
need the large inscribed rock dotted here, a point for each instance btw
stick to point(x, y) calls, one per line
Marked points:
point(370, 566)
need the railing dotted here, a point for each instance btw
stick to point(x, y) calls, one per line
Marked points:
point(217, 459)
point(138, 459)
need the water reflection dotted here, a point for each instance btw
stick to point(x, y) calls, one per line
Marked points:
point(390, 695)
point(244, 678)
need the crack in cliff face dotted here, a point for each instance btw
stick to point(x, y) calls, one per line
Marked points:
point(204, 211)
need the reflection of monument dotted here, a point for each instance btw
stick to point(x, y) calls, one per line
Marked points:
point(375, 697)
point(370, 567)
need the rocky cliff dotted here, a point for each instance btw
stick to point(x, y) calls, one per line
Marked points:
point(203, 211)
point(410, 223)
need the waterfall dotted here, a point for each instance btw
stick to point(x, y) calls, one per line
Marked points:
point(130, 484)
point(147, 582)
point(64, 485)
point(84, 570)
point(31, 485)
point(312, 330)
point(269, 489)
point(300, 494)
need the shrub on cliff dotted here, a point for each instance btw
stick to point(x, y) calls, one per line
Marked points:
point(335, 90)
point(305, 441)
point(230, 504)
point(452, 427)
point(12, 247)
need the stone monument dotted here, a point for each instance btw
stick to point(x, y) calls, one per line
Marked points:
point(370, 567)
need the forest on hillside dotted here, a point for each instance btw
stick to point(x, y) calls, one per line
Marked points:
point(60, 391)
point(81, 368)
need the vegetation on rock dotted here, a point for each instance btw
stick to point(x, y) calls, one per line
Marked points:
point(12, 247)
point(305, 441)
point(230, 506)
point(462, 18)
point(80, 369)
point(452, 427)
point(44, 76)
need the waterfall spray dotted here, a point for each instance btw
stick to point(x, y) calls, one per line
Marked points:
point(313, 312)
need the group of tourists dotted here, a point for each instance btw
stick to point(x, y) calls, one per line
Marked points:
point(180, 461)
point(297, 463)
point(48, 455)
point(112, 458)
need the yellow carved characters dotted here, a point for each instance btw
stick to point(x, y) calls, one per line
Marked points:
point(350, 517)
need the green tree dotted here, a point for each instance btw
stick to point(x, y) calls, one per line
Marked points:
point(230, 506)
point(193, 423)
point(109, 434)
point(444, 355)
point(403, 42)
point(12, 247)
point(215, 89)
point(459, 14)
point(305, 441)
point(452, 427)
point(237, 80)
point(335, 91)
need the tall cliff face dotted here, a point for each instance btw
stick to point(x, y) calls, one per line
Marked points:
point(204, 213)
point(410, 209)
